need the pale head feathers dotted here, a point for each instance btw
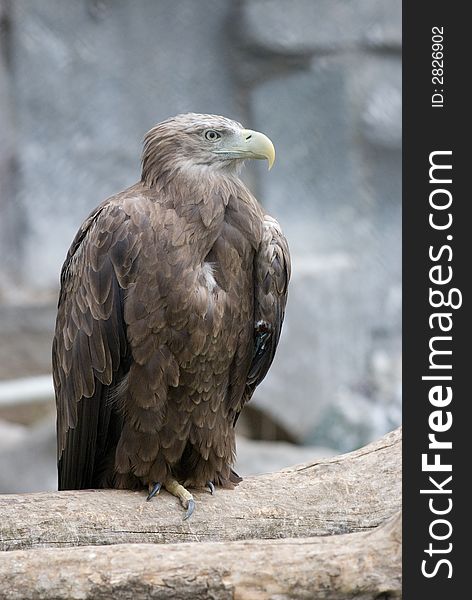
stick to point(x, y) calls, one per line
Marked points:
point(186, 144)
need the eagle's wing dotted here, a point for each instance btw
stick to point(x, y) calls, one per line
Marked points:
point(90, 347)
point(272, 274)
point(271, 277)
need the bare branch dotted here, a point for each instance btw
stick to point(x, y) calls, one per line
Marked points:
point(343, 494)
point(364, 566)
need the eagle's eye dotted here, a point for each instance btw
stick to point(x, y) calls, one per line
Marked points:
point(212, 135)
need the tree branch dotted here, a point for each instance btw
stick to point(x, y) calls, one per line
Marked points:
point(343, 494)
point(364, 566)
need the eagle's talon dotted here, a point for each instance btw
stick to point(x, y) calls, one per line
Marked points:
point(190, 509)
point(211, 487)
point(185, 497)
point(156, 488)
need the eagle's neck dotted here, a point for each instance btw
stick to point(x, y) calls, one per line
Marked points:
point(189, 183)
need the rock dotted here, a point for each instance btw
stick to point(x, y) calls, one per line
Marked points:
point(11, 433)
point(381, 114)
point(8, 241)
point(254, 457)
point(309, 26)
point(26, 334)
point(28, 458)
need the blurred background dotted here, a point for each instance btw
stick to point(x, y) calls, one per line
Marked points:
point(81, 81)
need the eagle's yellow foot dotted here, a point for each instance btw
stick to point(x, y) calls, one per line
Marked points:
point(185, 497)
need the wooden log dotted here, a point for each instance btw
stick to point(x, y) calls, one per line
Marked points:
point(347, 493)
point(365, 566)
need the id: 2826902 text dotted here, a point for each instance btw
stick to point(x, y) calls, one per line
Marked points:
point(437, 67)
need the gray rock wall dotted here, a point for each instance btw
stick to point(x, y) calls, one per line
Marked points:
point(83, 82)
point(9, 248)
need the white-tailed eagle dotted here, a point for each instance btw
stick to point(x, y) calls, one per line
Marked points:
point(172, 300)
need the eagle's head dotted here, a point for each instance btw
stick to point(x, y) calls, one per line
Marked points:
point(194, 143)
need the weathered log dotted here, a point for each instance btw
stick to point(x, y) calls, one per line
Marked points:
point(343, 494)
point(365, 566)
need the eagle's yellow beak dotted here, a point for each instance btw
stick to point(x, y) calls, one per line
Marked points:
point(247, 143)
point(257, 145)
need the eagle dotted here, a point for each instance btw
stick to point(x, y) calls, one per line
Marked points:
point(172, 299)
